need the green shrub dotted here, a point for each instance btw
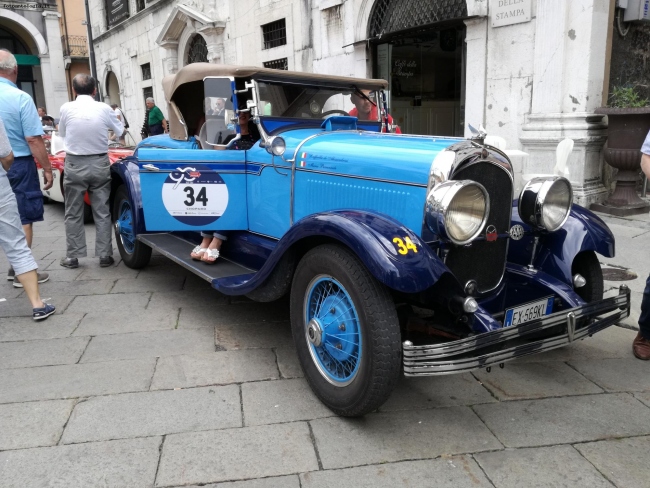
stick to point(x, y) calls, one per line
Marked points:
point(626, 97)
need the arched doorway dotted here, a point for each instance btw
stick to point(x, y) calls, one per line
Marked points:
point(113, 89)
point(419, 47)
point(29, 72)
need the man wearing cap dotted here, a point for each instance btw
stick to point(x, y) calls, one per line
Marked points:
point(24, 131)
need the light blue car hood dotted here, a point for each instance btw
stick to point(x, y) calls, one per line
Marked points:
point(389, 157)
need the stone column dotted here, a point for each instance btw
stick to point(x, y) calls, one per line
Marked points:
point(569, 71)
point(476, 40)
point(55, 86)
point(214, 40)
point(170, 61)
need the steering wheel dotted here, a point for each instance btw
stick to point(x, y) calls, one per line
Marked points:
point(332, 112)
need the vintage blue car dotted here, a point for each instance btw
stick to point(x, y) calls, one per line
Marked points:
point(399, 253)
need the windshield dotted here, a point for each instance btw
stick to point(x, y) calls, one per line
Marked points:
point(316, 102)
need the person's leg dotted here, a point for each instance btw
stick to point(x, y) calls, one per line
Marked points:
point(29, 234)
point(100, 193)
point(197, 252)
point(29, 280)
point(214, 247)
point(641, 344)
point(74, 187)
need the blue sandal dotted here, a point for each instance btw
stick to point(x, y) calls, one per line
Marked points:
point(44, 312)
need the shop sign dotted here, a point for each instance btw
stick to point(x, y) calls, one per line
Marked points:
point(116, 11)
point(507, 12)
point(405, 68)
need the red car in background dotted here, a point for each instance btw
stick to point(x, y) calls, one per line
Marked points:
point(56, 154)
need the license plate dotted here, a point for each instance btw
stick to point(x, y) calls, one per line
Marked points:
point(528, 311)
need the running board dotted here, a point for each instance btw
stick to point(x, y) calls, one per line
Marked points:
point(178, 250)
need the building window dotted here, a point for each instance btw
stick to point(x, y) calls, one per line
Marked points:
point(147, 92)
point(274, 34)
point(277, 64)
point(139, 5)
point(198, 50)
point(146, 71)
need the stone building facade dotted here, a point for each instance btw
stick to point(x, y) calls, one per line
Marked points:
point(530, 71)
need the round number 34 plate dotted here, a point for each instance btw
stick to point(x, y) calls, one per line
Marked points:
point(194, 195)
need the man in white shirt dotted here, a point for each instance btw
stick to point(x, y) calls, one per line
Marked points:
point(122, 118)
point(84, 126)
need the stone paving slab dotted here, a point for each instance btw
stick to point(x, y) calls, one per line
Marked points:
point(288, 362)
point(33, 424)
point(613, 342)
point(535, 380)
point(80, 288)
point(61, 275)
point(441, 391)
point(448, 472)
point(272, 402)
point(558, 466)
point(218, 368)
point(291, 481)
point(242, 313)
point(42, 353)
point(617, 374)
point(125, 463)
point(149, 344)
point(128, 303)
point(7, 290)
point(75, 380)
point(565, 420)
point(154, 413)
point(399, 436)
point(250, 336)
point(92, 271)
point(644, 397)
point(207, 302)
point(236, 454)
point(95, 323)
point(623, 461)
point(140, 284)
point(25, 329)
point(20, 307)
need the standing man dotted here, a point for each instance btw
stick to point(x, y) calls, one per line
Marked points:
point(122, 118)
point(157, 122)
point(641, 344)
point(84, 126)
point(12, 236)
point(24, 131)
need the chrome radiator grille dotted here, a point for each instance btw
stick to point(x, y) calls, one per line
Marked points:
point(483, 261)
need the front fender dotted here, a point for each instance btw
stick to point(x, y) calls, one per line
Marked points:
point(583, 231)
point(126, 172)
point(370, 236)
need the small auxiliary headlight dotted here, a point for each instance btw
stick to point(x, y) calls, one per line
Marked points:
point(545, 202)
point(457, 210)
point(277, 146)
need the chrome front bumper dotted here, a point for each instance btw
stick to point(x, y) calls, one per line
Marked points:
point(514, 342)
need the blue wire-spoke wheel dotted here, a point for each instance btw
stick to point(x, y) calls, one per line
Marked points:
point(124, 226)
point(332, 330)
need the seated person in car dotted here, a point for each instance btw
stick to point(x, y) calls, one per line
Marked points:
point(366, 109)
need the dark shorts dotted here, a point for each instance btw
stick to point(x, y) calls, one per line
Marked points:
point(23, 178)
point(155, 129)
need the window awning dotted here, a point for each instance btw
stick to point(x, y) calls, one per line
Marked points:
point(27, 60)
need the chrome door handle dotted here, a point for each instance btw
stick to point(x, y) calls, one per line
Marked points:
point(150, 167)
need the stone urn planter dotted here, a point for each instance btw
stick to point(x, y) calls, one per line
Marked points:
point(628, 128)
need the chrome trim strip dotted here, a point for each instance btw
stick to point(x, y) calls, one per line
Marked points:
point(366, 178)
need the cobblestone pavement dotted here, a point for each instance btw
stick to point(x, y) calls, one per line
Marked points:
point(151, 378)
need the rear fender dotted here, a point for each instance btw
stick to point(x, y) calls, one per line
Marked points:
point(126, 172)
point(583, 231)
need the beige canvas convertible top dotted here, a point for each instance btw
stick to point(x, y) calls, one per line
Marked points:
point(196, 72)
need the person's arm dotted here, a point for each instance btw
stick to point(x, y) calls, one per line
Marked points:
point(114, 123)
point(645, 165)
point(7, 161)
point(37, 148)
point(164, 124)
point(6, 154)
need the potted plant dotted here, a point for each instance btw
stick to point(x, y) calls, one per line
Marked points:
point(628, 114)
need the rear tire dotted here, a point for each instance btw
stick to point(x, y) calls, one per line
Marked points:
point(587, 265)
point(134, 253)
point(346, 331)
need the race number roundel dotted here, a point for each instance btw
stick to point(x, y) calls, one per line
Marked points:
point(195, 195)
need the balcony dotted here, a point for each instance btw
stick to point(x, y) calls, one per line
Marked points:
point(75, 46)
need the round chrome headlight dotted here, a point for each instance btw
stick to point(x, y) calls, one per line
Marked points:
point(277, 146)
point(457, 210)
point(545, 202)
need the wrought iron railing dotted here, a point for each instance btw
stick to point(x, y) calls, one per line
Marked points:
point(76, 46)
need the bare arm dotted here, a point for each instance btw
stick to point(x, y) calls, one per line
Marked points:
point(37, 148)
point(645, 165)
point(7, 160)
point(164, 124)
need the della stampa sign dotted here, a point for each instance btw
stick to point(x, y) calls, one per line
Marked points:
point(507, 12)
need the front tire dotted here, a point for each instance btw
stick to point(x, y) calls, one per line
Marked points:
point(346, 331)
point(134, 253)
point(587, 265)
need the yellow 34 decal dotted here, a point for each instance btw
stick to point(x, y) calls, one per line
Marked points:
point(404, 246)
